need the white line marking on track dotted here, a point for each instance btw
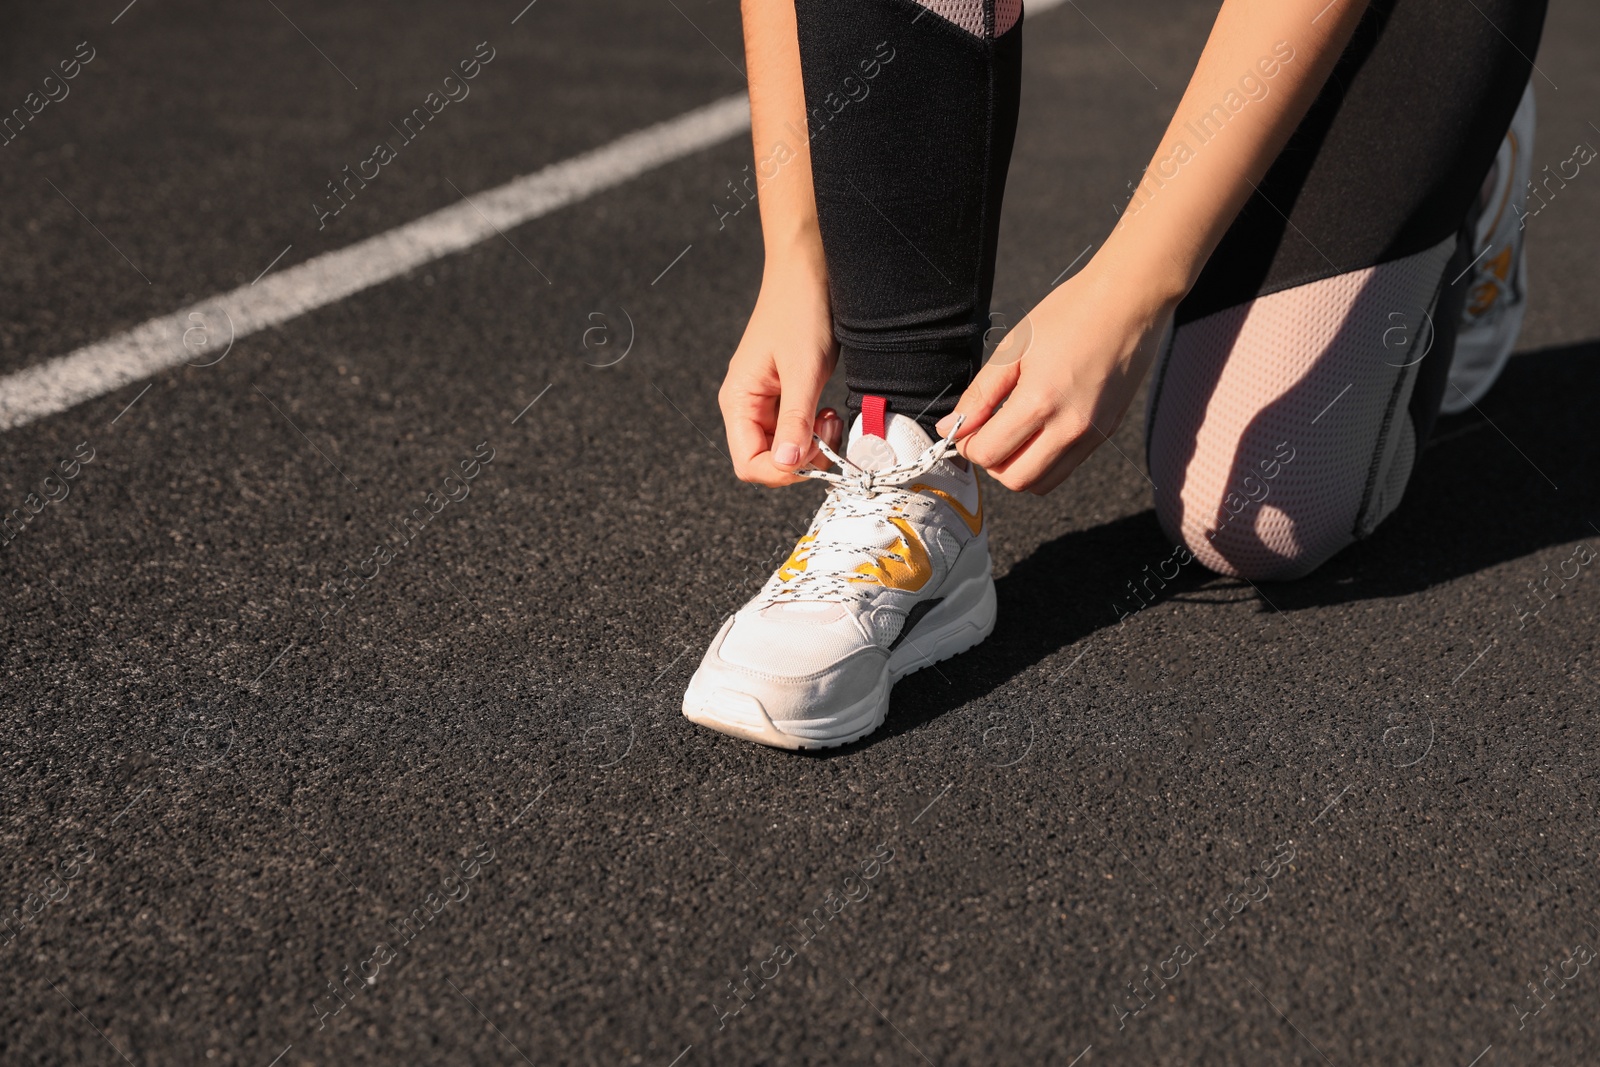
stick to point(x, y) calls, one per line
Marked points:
point(157, 345)
point(502, 233)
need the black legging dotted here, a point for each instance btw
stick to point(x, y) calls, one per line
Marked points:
point(908, 179)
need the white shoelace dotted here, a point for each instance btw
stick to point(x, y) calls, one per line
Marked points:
point(855, 495)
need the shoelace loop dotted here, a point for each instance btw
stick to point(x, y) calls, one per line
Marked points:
point(869, 483)
point(853, 488)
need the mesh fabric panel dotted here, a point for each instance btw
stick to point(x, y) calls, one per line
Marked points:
point(1006, 14)
point(1278, 430)
point(969, 14)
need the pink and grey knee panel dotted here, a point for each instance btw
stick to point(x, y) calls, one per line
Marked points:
point(1306, 367)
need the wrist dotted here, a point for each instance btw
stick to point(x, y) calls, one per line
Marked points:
point(792, 238)
point(1143, 287)
point(799, 264)
point(1156, 273)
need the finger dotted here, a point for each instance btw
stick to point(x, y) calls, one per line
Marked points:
point(1070, 461)
point(749, 419)
point(994, 443)
point(762, 471)
point(1018, 470)
point(797, 418)
point(1045, 477)
point(987, 391)
point(830, 427)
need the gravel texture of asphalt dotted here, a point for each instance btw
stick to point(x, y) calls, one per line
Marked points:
point(460, 819)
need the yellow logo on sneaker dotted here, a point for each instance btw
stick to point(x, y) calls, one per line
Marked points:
point(1486, 292)
point(905, 566)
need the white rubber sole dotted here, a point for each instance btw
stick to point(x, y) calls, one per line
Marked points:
point(965, 618)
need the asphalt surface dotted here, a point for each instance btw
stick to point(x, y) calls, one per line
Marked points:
point(1390, 764)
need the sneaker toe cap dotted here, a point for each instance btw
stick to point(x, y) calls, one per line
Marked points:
point(753, 672)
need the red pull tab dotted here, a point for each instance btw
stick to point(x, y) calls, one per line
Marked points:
point(872, 414)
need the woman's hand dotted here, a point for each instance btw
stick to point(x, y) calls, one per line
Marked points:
point(775, 379)
point(1066, 374)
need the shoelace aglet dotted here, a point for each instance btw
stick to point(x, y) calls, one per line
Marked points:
point(950, 438)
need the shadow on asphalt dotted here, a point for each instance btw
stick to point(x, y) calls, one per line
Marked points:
point(1518, 475)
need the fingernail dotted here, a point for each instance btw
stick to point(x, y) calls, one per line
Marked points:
point(945, 423)
point(786, 455)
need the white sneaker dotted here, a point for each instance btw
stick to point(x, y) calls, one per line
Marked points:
point(892, 576)
point(1498, 298)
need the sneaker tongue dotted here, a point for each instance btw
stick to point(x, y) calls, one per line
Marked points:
point(904, 440)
